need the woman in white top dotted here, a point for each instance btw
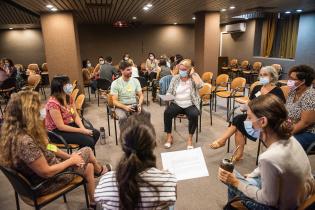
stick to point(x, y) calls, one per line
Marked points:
point(184, 87)
point(283, 178)
point(137, 184)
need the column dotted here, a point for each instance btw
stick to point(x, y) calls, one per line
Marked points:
point(207, 41)
point(62, 45)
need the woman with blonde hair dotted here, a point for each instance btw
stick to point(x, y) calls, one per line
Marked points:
point(184, 88)
point(268, 77)
point(24, 148)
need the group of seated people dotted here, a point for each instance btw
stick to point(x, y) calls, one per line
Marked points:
point(282, 180)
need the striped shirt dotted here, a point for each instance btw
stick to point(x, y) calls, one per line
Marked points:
point(159, 191)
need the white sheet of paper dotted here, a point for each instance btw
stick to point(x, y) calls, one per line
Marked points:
point(185, 164)
point(167, 97)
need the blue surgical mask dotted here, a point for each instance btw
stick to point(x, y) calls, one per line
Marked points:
point(68, 89)
point(183, 73)
point(254, 132)
point(264, 80)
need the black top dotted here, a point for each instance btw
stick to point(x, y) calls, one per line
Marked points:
point(275, 91)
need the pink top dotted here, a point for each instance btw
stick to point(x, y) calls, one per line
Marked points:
point(67, 113)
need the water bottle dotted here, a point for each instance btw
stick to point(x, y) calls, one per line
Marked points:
point(103, 140)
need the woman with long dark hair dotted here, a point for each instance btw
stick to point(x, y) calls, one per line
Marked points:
point(137, 184)
point(62, 117)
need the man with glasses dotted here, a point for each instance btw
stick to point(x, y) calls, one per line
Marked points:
point(125, 91)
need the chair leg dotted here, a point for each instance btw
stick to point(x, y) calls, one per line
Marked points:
point(200, 117)
point(64, 198)
point(115, 131)
point(197, 133)
point(86, 196)
point(17, 200)
point(210, 111)
point(258, 151)
point(98, 98)
point(227, 108)
point(89, 93)
point(174, 123)
point(147, 97)
point(108, 124)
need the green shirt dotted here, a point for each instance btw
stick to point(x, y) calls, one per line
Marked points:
point(126, 90)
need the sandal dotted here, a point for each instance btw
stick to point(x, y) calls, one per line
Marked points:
point(216, 144)
point(168, 144)
point(108, 167)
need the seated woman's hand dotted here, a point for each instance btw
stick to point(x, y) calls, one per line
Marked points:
point(227, 177)
point(87, 132)
point(76, 159)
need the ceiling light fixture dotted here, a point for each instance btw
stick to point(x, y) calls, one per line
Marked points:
point(134, 18)
point(49, 6)
point(194, 18)
point(149, 5)
point(223, 10)
point(10, 28)
point(287, 12)
point(232, 7)
point(299, 10)
point(146, 8)
point(54, 9)
point(175, 23)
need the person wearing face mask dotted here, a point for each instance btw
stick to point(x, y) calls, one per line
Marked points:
point(126, 57)
point(125, 91)
point(151, 65)
point(87, 76)
point(268, 77)
point(283, 178)
point(62, 117)
point(184, 87)
point(301, 104)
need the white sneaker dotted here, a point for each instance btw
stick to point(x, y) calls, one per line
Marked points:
point(167, 145)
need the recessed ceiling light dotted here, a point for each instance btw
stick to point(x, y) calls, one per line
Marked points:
point(146, 8)
point(49, 6)
point(54, 9)
point(232, 7)
point(10, 28)
point(299, 10)
point(287, 12)
point(223, 10)
point(194, 18)
point(149, 5)
point(175, 23)
point(134, 18)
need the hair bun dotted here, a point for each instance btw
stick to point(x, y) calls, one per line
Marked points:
point(286, 128)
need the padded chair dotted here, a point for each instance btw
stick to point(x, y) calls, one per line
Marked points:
point(61, 143)
point(245, 66)
point(74, 94)
point(232, 64)
point(110, 112)
point(44, 81)
point(245, 99)
point(103, 86)
point(278, 68)
point(181, 117)
point(28, 193)
point(79, 104)
point(74, 84)
point(252, 73)
point(285, 89)
point(206, 99)
point(221, 84)
point(145, 87)
point(237, 89)
point(164, 83)
point(233, 68)
point(207, 77)
point(32, 69)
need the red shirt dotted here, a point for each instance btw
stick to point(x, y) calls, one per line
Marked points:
point(67, 112)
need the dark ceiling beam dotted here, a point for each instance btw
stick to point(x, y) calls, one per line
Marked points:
point(16, 5)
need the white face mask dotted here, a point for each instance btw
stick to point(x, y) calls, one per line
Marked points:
point(102, 62)
point(151, 57)
point(126, 58)
point(88, 64)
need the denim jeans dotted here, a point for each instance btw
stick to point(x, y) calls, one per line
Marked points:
point(249, 203)
point(305, 139)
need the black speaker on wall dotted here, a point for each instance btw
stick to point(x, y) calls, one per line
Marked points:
point(222, 61)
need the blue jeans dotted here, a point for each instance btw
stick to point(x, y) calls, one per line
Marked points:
point(305, 139)
point(250, 204)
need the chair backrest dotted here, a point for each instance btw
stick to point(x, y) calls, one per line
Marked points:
point(19, 183)
point(74, 84)
point(33, 68)
point(244, 64)
point(110, 100)
point(206, 89)
point(257, 66)
point(239, 84)
point(103, 84)
point(74, 93)
point(285, 89)
point(79, 101)
point(222, 80)
point(207, 77)
point(308, 204)
point(278, 68)
point(252, 86)
point(164, 84)
point(44, 67)
point(8, 83)
point(233, 62)
point(142, 67)
point(19, 67)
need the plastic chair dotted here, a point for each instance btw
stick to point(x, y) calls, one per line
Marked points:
point(285, 89)
point(110, 112)
point(28, 193)
point(79, 104)
point(206, 98)
point(278, 68)
point(103, 85)
point(74, 93)
point(207, 77)
point(250, 74)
